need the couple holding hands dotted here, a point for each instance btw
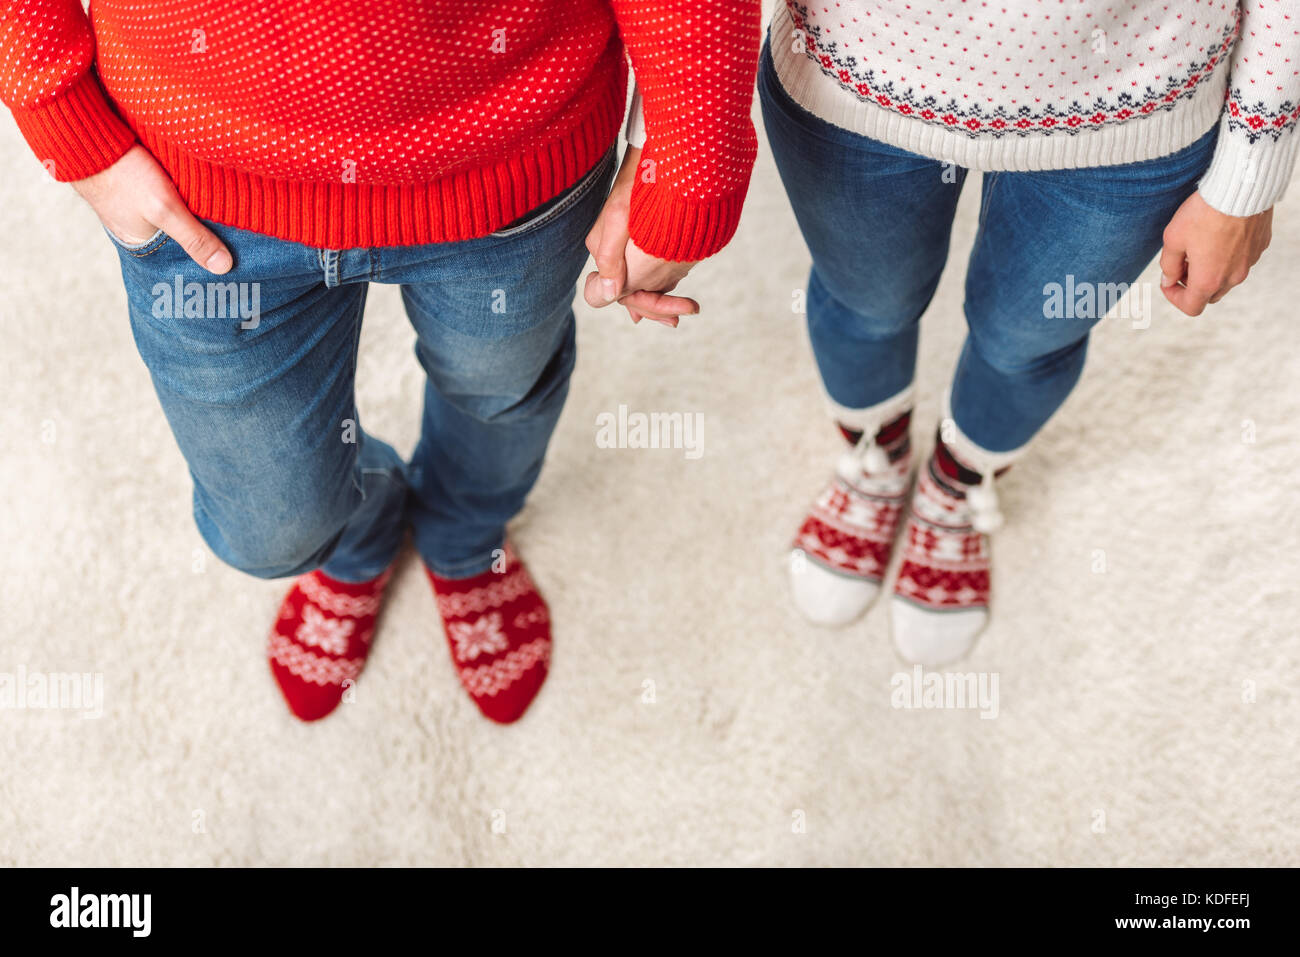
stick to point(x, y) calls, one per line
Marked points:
point(466, 151)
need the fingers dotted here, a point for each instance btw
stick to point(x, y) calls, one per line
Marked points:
point(1190, 297)
point(200, 243)
point(670, 321)
point(1176, 281)
point(626, 275)
point(1173, 263)
point(1206, 253)
point(596, 291)
point(1199, 286)
point(611, 267)
point(603, 286)
point(658, 307)
point(654, 305)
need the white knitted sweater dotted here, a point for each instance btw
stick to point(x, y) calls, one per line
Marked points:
point(1056, 84)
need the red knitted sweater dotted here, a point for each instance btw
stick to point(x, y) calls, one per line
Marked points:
point(394, 122)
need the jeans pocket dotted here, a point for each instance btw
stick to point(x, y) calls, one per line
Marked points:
point(142, 249)
point(556, 206)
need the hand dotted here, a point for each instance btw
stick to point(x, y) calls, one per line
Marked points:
point(134, 198)
point(626, 274)
point(1208, 252)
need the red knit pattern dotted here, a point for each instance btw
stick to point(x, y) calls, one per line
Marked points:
point(851, 531)
point(851, 526)
point(862, 552)
point(321, 639)
point(395, 122)
point(499, 632)
point(945, 561)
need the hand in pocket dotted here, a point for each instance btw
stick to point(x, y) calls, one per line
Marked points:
point(134, 198)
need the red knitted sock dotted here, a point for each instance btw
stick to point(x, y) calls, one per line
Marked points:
point(842, 547)
point(321, 638)
point(499, 632)
point(941, 596)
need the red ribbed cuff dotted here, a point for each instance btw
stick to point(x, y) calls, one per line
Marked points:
point(678, 230)
point(77, 130)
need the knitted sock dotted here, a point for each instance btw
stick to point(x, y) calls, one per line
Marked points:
point(499, 632)
point(321, 638)
point(941, 596)
point(842, 549)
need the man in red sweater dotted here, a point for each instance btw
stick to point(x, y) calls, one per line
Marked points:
point(258, 164)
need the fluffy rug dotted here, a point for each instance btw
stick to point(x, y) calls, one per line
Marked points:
point(1143, 644)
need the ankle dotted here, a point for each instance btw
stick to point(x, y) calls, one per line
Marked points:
point(884, 448)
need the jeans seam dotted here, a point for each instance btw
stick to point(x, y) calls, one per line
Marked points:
point(329, 262)
point(140, 250)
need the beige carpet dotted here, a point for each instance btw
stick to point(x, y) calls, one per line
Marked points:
point(1144, 640)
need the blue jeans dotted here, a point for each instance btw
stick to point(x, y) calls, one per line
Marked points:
point(877, 221)
point(260, 394)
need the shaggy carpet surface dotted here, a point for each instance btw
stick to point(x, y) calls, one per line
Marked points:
point(1143, 643)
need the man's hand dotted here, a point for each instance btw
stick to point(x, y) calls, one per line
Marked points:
point(1208, 252)
point(627, 274)
point(134, 198)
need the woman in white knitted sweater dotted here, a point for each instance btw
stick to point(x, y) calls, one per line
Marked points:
point(1108, 133)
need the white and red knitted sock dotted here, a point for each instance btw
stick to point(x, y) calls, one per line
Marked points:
point(321, 639)
point(842, 549)
point(941, 597)
point(499, 632)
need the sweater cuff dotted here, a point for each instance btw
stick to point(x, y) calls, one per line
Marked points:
point(679, 230)
point(78, 131)
point(1247, 178)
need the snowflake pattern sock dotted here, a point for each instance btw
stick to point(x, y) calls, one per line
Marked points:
point(321, 639)
point(842, 549)
point(941, 598)
point(499, 632)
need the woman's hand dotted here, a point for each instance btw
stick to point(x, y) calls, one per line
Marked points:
point(134, 198)
point(626, 274)
point(1208, 252)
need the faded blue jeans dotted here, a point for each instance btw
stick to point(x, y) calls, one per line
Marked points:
point(877, 221)
point(257, 382)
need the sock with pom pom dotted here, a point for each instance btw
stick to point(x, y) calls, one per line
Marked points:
point(941, 597)
point(842, 548)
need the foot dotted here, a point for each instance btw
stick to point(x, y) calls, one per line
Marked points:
point(499, 632)
point(941, 597)
point(842, 549)
point(321, 639)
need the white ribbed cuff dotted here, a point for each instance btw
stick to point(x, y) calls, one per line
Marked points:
point(1248, 178)
point(872, 417)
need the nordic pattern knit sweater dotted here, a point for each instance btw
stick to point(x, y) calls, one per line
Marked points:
point(1056, 84)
